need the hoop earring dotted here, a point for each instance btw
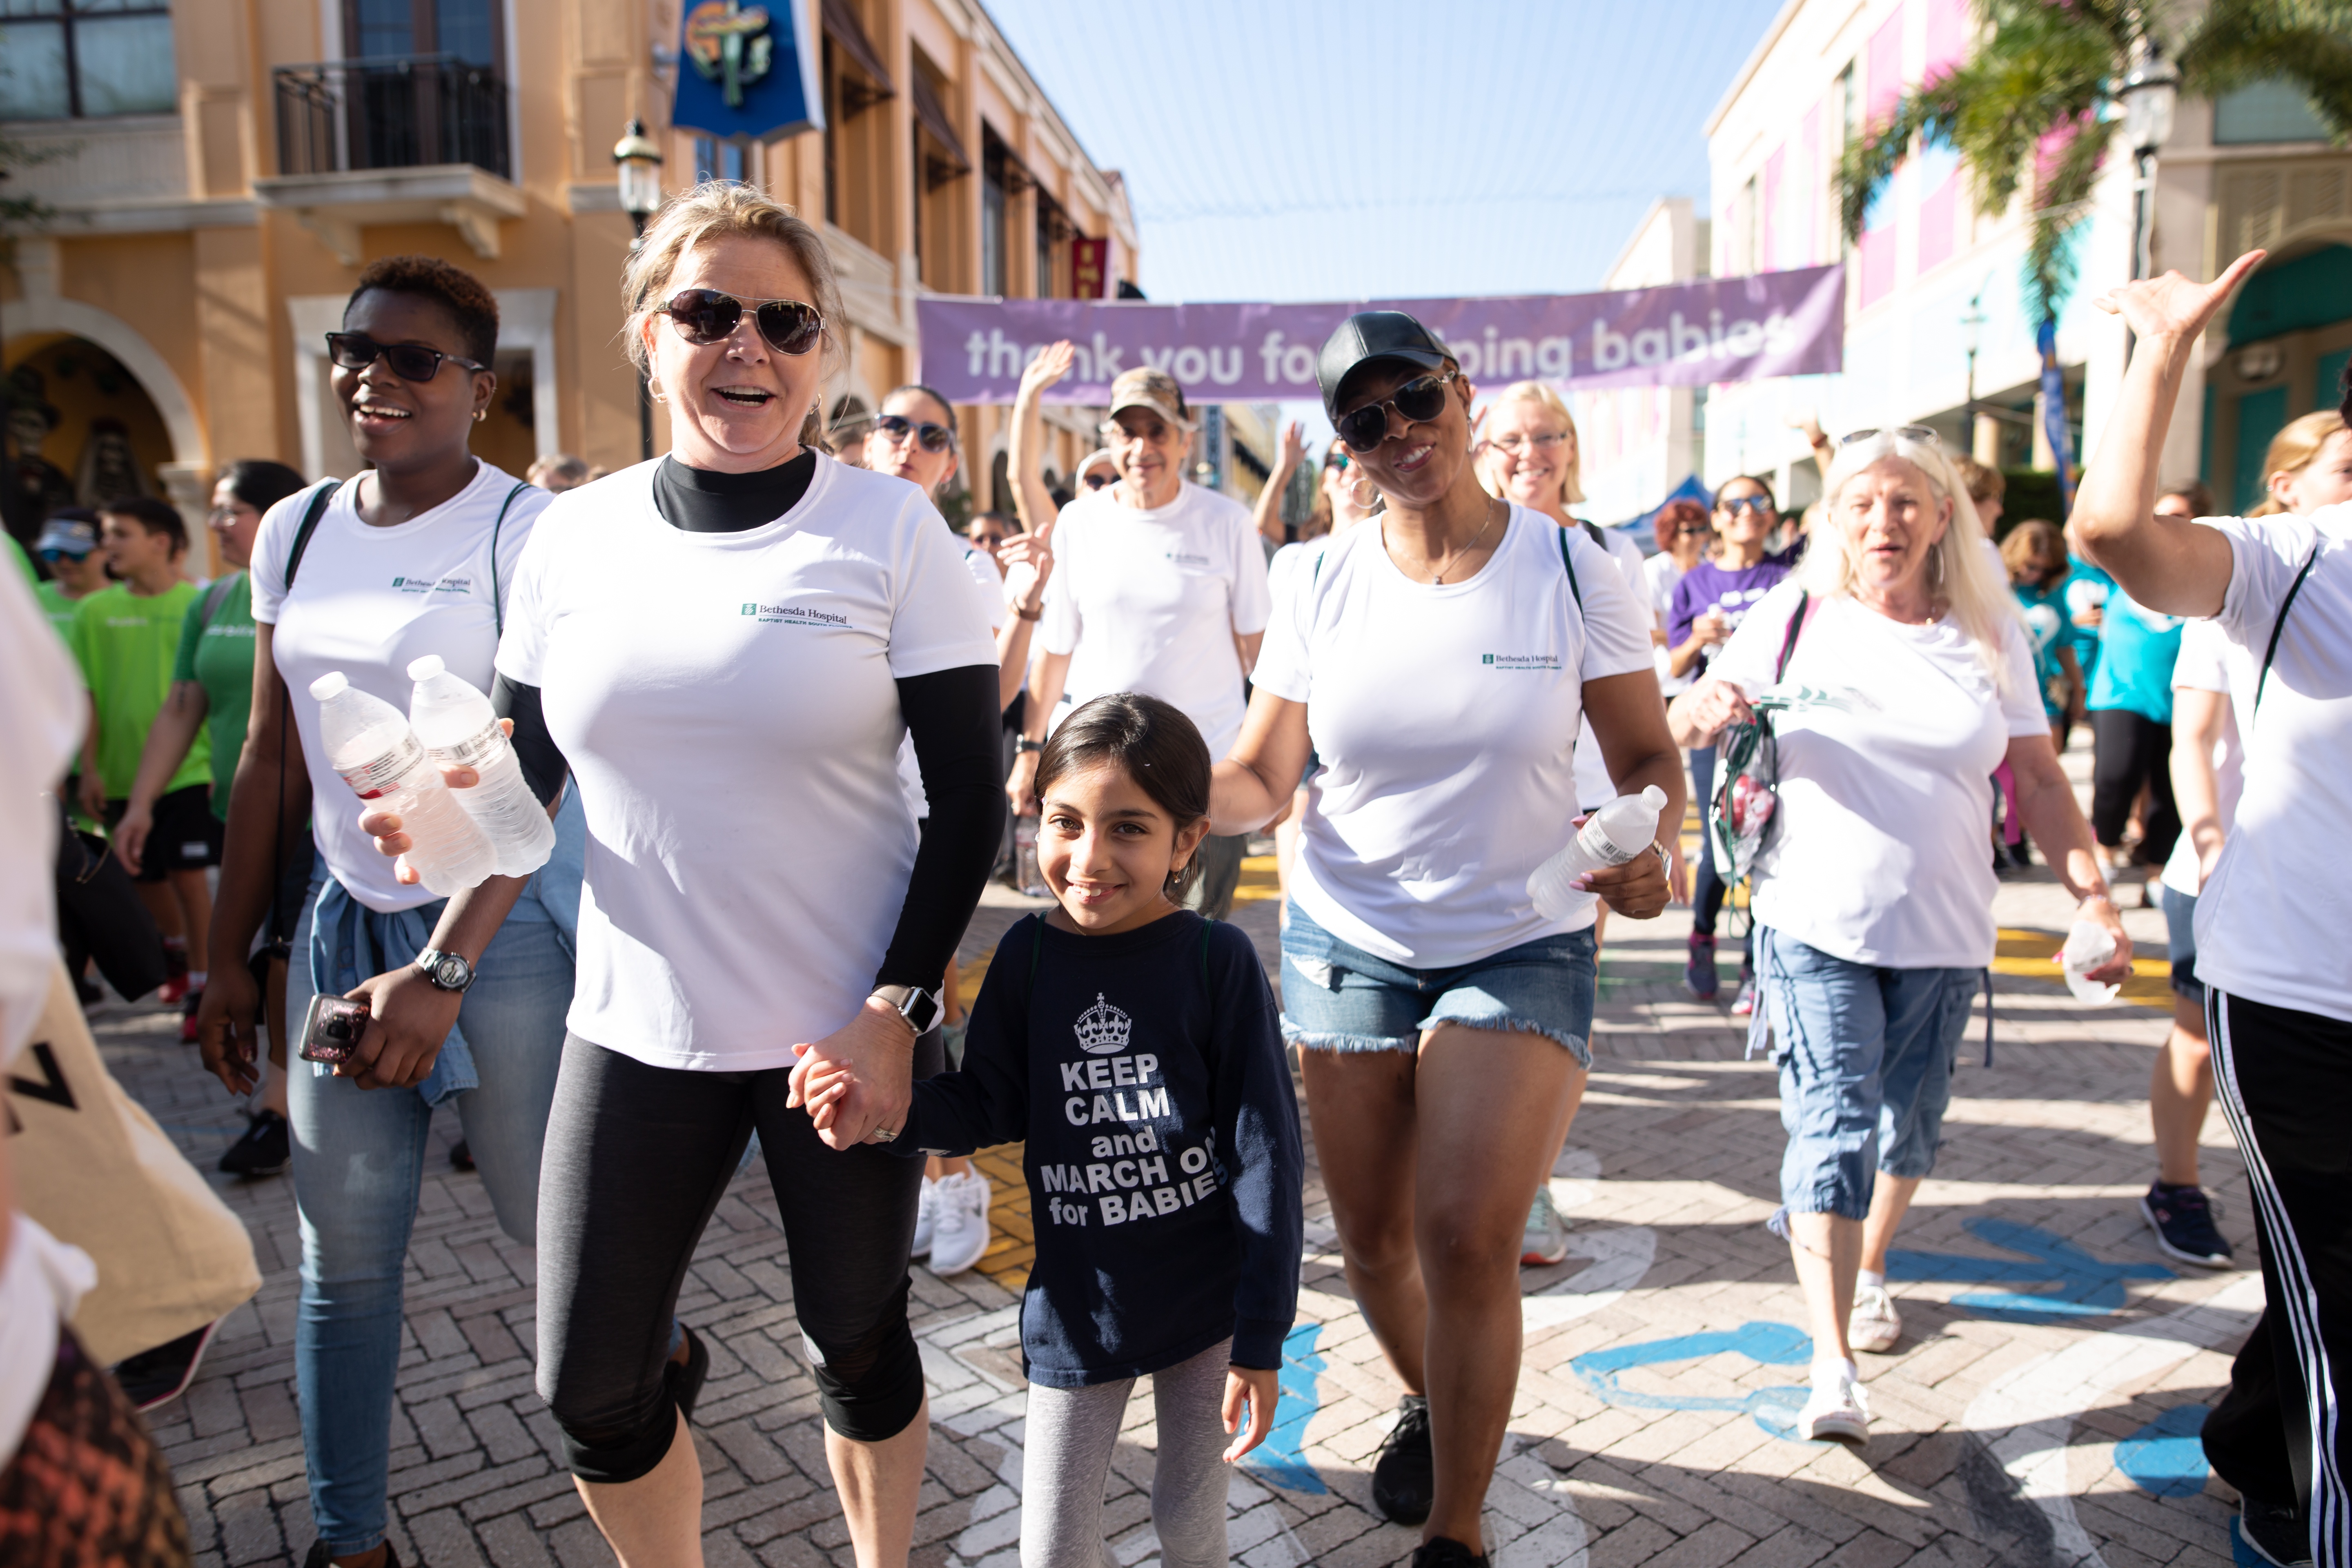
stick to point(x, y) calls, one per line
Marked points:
point(480, 415)
point(1364, 503)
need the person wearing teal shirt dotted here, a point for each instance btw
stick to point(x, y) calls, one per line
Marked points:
point(2035, 557)
point(2131, 729)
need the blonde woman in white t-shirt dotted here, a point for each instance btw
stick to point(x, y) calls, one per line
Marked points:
point(1908, 680)
point(1438, 659)
point(2272, 916)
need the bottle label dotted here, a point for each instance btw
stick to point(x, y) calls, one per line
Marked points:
point(372, 780)
point(473, 751)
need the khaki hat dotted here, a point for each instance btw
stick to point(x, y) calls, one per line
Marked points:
point(1144, 387)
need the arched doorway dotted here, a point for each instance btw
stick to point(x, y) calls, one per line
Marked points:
point(2290, 340)
point(81, 431)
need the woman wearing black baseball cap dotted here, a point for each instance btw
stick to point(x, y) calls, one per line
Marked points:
point(1439, 664)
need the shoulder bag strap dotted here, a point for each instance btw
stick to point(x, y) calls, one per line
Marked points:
point(310, 516)
point(1575, 592)
point(213, 597)
point(1797, 619)
point(2279, 626)
point(497, 599)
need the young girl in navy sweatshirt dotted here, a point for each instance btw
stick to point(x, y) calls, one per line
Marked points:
point(1135, 1047)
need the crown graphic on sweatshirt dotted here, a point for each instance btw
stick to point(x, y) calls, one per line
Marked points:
point(1103, 1029)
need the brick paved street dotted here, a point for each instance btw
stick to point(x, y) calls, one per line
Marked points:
point(1662, 1363)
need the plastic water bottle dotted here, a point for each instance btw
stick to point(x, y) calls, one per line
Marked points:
point(2088, 945)
point(455, 721)
point(1026, 874)
point(370, 743)
point(1611, 836)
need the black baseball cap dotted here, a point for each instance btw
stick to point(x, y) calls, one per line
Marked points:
point(1369, 336)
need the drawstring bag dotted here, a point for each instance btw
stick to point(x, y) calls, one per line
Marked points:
point(1747, 791)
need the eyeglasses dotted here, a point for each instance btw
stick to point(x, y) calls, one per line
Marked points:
point(1900, 432)
point(898, 426)
point(1096, 480)
point(1738, 504)
point(706, 316)
point(1419, 400)
point(1155, 431)
point(1692, 528)
point(1335, 459)
point(1514, 441)
point(410, 362)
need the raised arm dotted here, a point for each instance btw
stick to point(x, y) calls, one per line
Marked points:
point(1285, 463)
point(2170, 564)
point(1025, 452)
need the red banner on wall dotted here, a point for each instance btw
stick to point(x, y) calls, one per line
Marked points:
point(1089, 267)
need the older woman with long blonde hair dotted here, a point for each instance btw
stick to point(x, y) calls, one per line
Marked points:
point(1907, 680)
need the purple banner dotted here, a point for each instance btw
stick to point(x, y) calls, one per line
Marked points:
point(1682, 335)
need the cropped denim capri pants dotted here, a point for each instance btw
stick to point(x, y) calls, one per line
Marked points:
point(1866, 1054)
point(1337, 997)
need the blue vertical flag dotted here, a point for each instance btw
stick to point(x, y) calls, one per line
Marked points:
point(2054, 414)
point(744, 71)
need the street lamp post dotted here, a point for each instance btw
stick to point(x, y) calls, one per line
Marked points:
point(2149, 93)
point(1972, 339)
point(639, 161)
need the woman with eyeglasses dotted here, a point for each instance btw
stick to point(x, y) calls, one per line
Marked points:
point(1710, 602)
point(415, 556)
point(1161, 589)
point(725, 648)
point(1440, 663)
point(1901, 678)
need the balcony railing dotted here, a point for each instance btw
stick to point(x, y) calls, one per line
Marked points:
point(395, 111)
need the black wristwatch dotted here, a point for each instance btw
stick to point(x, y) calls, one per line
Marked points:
point(1024, 746)
point(921, 1008)
point(445, 971)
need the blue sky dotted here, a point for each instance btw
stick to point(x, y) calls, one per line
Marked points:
point(1341, 148)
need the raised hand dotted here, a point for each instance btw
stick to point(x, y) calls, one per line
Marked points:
point(2172, 309)
point(1027, 590)
point(1294, 450)
point(1048, 368)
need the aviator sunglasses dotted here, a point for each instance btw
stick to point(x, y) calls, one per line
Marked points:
point(896, 426)
point(1418, 400)
point(706, 316)
point(410, 362)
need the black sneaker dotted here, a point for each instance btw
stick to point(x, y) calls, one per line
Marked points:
point(2279, 1536)
point(151, 1377)
point(1446, 1553)
point(2182, 1218)
point(263, 1150)
point(1405, 1474)
point(461, 1155)
point(319, 1558)
point(1699, 973)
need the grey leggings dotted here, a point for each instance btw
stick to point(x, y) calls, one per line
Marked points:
point(1067, 1463)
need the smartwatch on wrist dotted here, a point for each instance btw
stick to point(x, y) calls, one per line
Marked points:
point(445, 971)
point(1024, 746)
point(921, 1008)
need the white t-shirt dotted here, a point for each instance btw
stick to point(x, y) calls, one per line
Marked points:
point(1151, 601)
point(367, 601)
point(1446, 718)
point(1878, 854)
point(2270, 921)
point(725, 701)
point(2203, 666)
point(1594, 788)
point(1660, 573)
point(991, 591)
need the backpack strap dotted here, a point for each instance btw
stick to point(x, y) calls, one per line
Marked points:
point(1575, 592)
point(1799, 618)
point(215, 596)
point(317, 508)
point(497, 599)
point(2270, 651)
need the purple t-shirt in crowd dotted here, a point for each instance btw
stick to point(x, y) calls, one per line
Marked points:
point(1707, 586)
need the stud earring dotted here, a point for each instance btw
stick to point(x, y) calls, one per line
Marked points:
point(480, 415)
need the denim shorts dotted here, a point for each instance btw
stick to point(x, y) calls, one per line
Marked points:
point(1865, 1057)
point(2180, 933)
point(1336, 997)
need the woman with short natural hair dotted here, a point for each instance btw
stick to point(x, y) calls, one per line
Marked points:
point(1908, 681)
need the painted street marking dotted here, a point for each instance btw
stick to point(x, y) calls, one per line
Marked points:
point(1767, 1344)
point(2085, 1287)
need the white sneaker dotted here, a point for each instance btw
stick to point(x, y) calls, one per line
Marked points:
point(1837, 1408)
point(960, 1233)
point(1876, 1325)
point(926, 1214)
point(1546, 1241)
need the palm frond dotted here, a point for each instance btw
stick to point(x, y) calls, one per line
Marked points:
point(2306, 43)
point(2060, 202)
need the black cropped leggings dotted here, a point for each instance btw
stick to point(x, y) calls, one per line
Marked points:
point(637, 1157)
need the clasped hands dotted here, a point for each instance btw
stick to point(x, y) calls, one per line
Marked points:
point(858, 1080)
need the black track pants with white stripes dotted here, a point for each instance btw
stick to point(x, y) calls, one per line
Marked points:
point(2285, 1081)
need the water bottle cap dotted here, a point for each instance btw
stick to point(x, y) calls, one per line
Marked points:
point(329, 686)
point(425, 668)
point(1654, 798)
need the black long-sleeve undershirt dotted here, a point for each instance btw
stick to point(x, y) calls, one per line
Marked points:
point(951, 714)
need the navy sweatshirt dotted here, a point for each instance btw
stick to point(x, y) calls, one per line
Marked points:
point(1146, 1071)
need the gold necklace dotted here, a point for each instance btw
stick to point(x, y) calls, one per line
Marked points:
point(1437, 577)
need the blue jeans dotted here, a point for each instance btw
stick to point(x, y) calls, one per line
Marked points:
point(359, 1165)
point(1865, 1059)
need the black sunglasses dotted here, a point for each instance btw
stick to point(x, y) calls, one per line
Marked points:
point(410, 362)
point(706, 316)
point(1419, 400)
point(1096, 480)
point(931, 437)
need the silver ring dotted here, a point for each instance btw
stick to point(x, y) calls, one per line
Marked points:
point(882, 1135)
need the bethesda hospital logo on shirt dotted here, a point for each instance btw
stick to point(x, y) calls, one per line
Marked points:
point(1128, 1179)
point(1520, 660)
point(793, 616)
point(451, 583)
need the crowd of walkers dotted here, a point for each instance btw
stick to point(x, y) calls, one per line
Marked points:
point(776, 713)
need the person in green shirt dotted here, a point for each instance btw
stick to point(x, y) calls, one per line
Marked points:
point(125, 638)
point(212, 689)
point(68, 545)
